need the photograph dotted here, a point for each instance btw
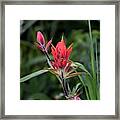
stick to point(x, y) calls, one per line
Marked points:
point(59, 59)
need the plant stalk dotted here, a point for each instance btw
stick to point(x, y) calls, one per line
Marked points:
point(64, 84)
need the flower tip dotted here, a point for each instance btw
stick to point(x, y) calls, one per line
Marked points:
point(71, 45)
point(38, 34)
point(62, 36)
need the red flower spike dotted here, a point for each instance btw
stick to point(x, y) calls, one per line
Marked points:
point(40, 38)
point(61, 54)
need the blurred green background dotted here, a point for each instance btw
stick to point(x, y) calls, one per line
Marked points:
point(47, 86)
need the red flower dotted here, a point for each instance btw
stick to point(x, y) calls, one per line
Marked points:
point(41, 42)
point(61, 55)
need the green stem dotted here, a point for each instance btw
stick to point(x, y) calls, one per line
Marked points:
point(61, 78)
point(48, 59)
point(47, 56)
point(64, 84)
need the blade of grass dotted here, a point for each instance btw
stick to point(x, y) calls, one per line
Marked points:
point(90, 86)
point(23, 79)
point(92, 58)
point(92, 51)
point(97, 69)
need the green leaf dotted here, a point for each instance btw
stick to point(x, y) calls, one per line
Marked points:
point(68, 88)
point(87, 95)
point(73, 75)
point(92, 57)
point(91, 89)
point(97, 71)
point(23, 79)
point(79, 65)
point(77, 86)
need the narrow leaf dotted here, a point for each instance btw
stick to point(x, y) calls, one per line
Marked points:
point(69, 88)
point(92, 57)
point(53, 72)
point(73, 75)
point(90, 86)
point(79, 65)
point(87, 95)
point(77, 86)
point(23, 79)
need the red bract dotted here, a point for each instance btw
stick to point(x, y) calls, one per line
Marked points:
point(40, 38)
point(75, 98)
point(61, 55)
point(41, 42)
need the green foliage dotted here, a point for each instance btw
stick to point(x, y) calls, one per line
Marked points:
point(85, 37)
point(23, 79)
point(82, 67)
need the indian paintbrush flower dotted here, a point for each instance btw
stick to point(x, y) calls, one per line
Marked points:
point(60, 65)
point(61, 55)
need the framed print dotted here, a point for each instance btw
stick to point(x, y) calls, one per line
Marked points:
point(60, 60)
